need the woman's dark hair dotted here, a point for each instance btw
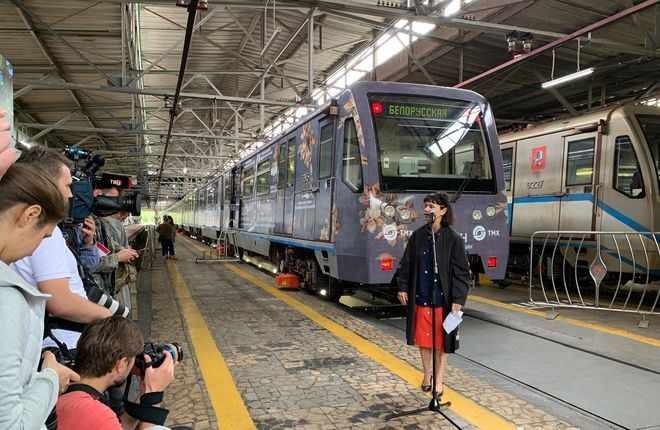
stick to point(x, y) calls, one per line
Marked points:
point(442, 199)
point(24, 184)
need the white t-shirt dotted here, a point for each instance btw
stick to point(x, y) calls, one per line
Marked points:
point(53, 260)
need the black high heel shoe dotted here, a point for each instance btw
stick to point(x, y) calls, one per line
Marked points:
point(427, 388)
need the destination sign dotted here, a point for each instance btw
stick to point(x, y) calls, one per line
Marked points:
point(407, 110)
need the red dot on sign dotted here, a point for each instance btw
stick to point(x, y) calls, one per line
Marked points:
point(377, 108)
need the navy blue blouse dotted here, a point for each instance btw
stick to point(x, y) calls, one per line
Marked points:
point(426, 279)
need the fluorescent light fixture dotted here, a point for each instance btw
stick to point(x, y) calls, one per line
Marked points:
point(568, 78)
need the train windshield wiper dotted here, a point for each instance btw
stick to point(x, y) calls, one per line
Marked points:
point(461, 188)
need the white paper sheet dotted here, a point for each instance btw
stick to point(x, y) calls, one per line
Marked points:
point(452, 321)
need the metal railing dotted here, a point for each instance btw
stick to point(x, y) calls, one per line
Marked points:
point(613, 271)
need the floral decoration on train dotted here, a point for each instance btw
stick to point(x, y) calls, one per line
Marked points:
point(325, 229)
point(372, 219)
point(307, 144)
point(274, 166)
point(337, 224)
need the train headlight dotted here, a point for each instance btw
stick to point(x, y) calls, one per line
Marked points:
point(405, 214)
point(388, 211)
point(490, 211)
point(476, 215)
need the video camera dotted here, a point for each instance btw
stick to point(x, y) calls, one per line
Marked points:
point(85, 177)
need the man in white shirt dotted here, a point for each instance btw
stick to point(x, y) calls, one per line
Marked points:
point(53, 267)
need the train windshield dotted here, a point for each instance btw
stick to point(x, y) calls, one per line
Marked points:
point(651, 127)
point(430, 144)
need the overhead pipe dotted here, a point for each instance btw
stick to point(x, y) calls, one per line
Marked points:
point(192, 12)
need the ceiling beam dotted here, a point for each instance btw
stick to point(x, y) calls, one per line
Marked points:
point(153, 92)
point(123, 132)
point(585, 30)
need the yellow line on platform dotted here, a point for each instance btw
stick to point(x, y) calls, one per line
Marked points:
point(230, 411)
point(476, 414)
point(466, 408)
point(592, 326)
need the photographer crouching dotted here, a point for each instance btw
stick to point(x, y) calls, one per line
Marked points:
point(108, 350)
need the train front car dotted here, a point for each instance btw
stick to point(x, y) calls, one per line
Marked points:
point(402, 142)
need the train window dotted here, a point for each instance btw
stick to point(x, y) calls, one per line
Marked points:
point(291, 164)
point(507, 161)
point(228, 189)
point(352, 167)
point(282, 166)
point(651, 127)
point(627, 179)
point(580, 162)
point(429, 143)
point(325, 158)
point(263, 177)
point(212, 199)
point(248, 182)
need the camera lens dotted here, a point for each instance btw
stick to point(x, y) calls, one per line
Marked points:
point(132, 202)
point(175, 351)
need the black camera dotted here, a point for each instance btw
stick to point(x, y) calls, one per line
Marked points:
point(84, 177)
point(128, 201)
point(156, 353)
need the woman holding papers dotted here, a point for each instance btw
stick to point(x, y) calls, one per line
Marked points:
point(422, 290)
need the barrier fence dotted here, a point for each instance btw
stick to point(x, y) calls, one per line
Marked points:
point(612, 271)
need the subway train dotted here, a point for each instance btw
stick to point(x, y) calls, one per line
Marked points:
point(337, 196)
point(597, 172)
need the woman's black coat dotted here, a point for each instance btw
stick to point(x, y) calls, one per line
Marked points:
point(454, 275)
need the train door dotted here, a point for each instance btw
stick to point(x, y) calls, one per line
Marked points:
point(234, 206)
point(508, 161)
point(304, 221)
point(226, 202)
point(289, 187)
point(580, 182)
point(325, 182)
point(537, 185)
point(282, 162)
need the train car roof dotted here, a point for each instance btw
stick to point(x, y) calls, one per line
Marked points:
point(585, 122)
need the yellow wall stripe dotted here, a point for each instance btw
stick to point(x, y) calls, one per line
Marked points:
point(230, 411)
point(601, 328)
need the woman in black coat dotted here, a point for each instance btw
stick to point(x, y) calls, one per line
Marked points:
point(416, 284)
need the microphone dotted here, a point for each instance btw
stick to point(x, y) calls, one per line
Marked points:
point(431, 217)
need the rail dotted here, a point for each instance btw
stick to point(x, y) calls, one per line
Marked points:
point(611, 271)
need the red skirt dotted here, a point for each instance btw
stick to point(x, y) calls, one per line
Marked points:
point(423, 323)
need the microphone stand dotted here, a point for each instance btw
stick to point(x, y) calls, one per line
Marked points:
point(435, 404)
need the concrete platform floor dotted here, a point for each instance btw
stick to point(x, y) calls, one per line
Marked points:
point(292, 372)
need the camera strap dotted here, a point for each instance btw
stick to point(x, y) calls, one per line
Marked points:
point(145, 410)
point(96, 395)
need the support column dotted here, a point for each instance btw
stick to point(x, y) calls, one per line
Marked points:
point(310, 54)
point(262, 108)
